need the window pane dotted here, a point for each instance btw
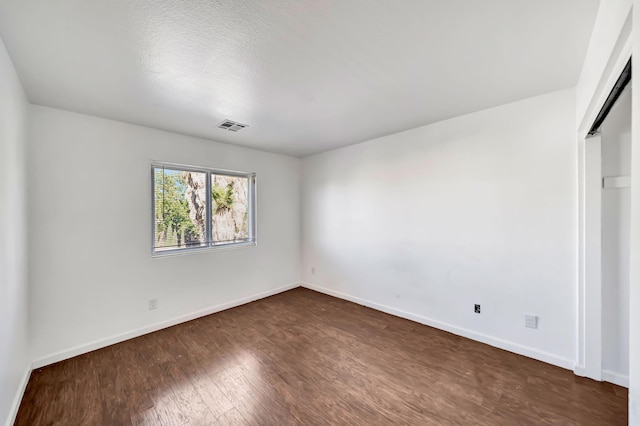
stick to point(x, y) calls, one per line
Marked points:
point(179, 209)
point(230, 209)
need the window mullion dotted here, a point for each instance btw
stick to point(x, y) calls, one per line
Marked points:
point(208, 211)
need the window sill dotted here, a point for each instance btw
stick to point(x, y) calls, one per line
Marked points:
point(186, 251)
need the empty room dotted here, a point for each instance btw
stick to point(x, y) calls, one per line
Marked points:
point(227, 212)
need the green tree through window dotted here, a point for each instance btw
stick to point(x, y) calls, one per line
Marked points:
point(182, 206)
point(174, 224)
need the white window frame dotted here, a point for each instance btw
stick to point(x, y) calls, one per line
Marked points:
point(209, 243)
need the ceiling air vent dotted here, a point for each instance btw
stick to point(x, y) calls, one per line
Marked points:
point(232, 126)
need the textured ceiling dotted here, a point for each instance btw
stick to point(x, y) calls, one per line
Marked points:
point(305, 75)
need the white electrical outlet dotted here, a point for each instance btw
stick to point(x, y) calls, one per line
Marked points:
point(313, 270)
point(531, 321)
point(153, 303)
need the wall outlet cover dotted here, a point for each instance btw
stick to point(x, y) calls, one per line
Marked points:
point(531, 321)
point(476, 309)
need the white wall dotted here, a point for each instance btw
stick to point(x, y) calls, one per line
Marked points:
point(634, 289)
point(477, 209)
point(15, 358)
point(90, 233)
point(616, 209)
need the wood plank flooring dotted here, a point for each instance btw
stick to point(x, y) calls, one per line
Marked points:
point(302, 357)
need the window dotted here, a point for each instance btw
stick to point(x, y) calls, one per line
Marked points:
point(197, 208)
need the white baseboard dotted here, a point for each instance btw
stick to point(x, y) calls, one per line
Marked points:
point(489, 340)
point(580, 370)
point(98, 344)
point(18, 397)
point(615, 378)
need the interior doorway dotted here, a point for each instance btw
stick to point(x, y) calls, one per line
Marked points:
point(606, 238)
point(615, 135)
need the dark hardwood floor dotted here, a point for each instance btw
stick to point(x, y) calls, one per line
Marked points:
point(301, 357)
